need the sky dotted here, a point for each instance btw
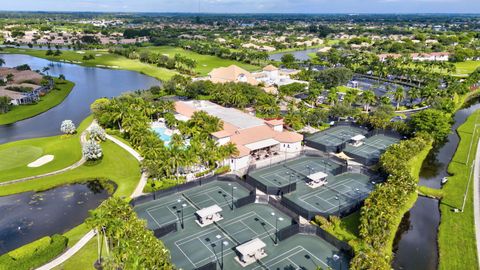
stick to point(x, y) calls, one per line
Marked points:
point(248, 6)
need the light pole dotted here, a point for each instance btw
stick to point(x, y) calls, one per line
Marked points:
point(276, 227)
point(181, 211)
point(336, 258)
point(224, 243)
point(233, 188)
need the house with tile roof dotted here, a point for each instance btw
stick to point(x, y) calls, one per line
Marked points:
point(256, 139)
point(231, 73)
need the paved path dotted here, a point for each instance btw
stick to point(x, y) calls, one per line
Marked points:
point(83, 139)
point(476, 198)
point(86, 238)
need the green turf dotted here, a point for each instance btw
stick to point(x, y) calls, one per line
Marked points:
point(456, 237)
point(467, 67)
point(205, 63)
point(117, 165)
point(105, 59)
point(52, 99)
point(65, 149)
point(18, 156)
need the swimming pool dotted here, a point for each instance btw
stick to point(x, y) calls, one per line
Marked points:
point(161, 132)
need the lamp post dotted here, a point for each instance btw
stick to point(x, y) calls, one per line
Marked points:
point(276, 227)
point(336, 258)
point(233, 188)
point(181, 211)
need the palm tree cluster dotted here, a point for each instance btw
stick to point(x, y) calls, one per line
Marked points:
point(133, 115)
point(381, 209)
point(124, 240)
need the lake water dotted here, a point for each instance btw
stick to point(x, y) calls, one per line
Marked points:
point(26, 217)
point(90, 84)
point(416, 244)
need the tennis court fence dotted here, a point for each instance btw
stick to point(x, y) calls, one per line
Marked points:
point(288, 232)
point(316, 230)
point(341, 211)
point(270, 189)
point(245, 200)
point(164, 230)
point(208, 266)
point(186, 186)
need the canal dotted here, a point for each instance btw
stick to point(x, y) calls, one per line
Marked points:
point(416, 241)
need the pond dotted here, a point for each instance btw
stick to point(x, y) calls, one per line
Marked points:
point(301, 55)
point(90, 84)
point(29, 216)
point(416, 241)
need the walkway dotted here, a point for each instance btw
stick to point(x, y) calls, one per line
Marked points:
point(476, 198)
point(87, 237)
point(83, 139)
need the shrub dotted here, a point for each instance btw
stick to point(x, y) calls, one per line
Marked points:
point(34, 254)
point(222, 170)
point(97, 133)
point(68, 127)
point(92, 150)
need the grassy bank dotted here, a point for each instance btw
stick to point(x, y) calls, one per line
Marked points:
point(15, 156)
point(456, 237)
point(467, 67)
point(102, 59)
point(205, 63)
point(52, 99)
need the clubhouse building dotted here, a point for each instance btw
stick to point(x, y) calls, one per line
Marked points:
point(257, 140)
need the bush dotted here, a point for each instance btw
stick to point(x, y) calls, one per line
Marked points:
point(68, 127)
point(222, 170)
point(97, 133)
point(34, 254)
point(92, 150)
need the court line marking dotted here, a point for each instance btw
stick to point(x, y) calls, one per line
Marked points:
point(275, 259)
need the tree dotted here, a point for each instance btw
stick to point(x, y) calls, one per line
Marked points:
point(334, 77)
point(97, 133)
point(367, 98)
point(92, 150)
point(399, 95)
point(62, 77)
point(4, 104)
point(288, 59)
point(2, 62)
point(68, 127)
point(431, 121)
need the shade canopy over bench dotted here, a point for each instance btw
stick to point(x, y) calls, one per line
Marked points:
point(208, 215)
point(251, 251)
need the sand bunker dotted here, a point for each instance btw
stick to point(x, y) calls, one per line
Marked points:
point(41, 161)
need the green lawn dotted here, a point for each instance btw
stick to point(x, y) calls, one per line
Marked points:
point(66, 150)
point(117, 165)
point(52, 99)
point(467, 67)
point(456, 237)
point(102, 59)
point(205, 63)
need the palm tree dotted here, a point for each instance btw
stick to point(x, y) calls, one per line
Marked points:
point(367, 98)
point(332, 96)
point(399, 95)
point(385, 100)
point(2, 62)
point(413, 93)
point(351, 96)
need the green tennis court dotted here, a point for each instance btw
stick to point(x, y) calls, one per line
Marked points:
point(167, 210)
point(371, 149)
point(341, 192)
point(328, 140)
point(192, 246)
point(296, 170)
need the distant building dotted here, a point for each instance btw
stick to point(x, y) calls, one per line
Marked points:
point(232, 73)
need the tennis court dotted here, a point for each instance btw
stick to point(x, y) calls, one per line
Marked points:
point(167, 210)
point(341, 193)
point(372, 148)
point(192, 246)
point(296, 170)
point(332, 139)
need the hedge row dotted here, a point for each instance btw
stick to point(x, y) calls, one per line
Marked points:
point(381, 209)
point(34, 254)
